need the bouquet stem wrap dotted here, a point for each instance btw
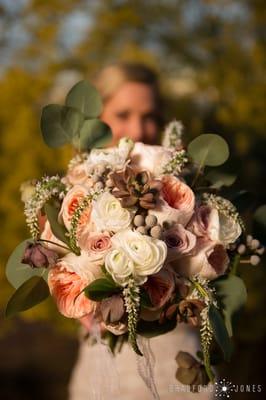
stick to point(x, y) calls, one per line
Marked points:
point(145, 365)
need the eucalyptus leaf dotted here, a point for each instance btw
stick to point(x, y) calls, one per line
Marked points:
point(208, 149)
point(260, 223)
point(59, 124)
point(85, 98)
point(220, 332)
point(219, 179)
point(30, 293)
point(94, 133)
point(58, 229)
point(100, 289)
point(17, 272)
point(232, 295)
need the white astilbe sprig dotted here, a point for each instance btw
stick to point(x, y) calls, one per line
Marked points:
point(203, 291)
point(206, 336)
point(45, 189)
point(132, 304)
point(176, 164)
point(172, 135)
point(79, 210)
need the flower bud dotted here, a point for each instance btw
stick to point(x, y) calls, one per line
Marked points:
point(38, 256)
point(190, 371)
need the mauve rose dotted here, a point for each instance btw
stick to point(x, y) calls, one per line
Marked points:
point(210, 260)
point(205, 223)
point(150, 158)
point(179, 241)
point(66, 288)
point(38, 256)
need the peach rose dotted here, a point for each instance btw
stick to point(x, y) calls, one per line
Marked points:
point(66, 288)
point(210, 260)
point(47, 234)
point(179, 196)
point(70, 203)
point(150, 158)
point(177, 202)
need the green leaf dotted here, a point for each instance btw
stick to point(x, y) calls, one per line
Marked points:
point(30, 293)
point(58, 230)
point(220, 332)
point(232, 294)
point(220, 179)
point(151, 329)
point(100, 289)
point(208, 149)
point(260, 222)
point(59, 124)
point(94, 133)
point(17, 272)
point(85, 98)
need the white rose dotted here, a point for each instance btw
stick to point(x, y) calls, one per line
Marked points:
point(150, 158)
point(108, 214)
point(119, 266)
point(146, 254)
point(229, 230)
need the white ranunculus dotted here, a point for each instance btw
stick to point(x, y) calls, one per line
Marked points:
point(108, 214)
point(119, 266)
point(146, 254)
point(150, 158)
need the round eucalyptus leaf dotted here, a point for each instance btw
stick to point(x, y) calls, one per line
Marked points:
point(59, 124)
point(94, 133)
point(29, 294)
point(232, 295)
point(17, 272)
point(260, 223)
point(219, 179)
point(85, 98)
point(209, 149)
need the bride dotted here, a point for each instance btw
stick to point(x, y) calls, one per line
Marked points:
point(132, 108)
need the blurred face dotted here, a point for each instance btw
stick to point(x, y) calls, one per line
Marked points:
point(131, 112)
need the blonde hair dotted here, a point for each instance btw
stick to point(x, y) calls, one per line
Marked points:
point(111, 78)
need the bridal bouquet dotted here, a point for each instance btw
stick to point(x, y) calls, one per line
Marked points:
point(135, 237)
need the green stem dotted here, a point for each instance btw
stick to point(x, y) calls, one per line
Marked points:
point(235, 264)
point(56, 244)
point(207, 365)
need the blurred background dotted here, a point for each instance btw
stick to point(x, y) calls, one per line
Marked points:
point(211, 58)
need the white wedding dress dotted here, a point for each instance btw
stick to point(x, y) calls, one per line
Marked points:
point(118, 378)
